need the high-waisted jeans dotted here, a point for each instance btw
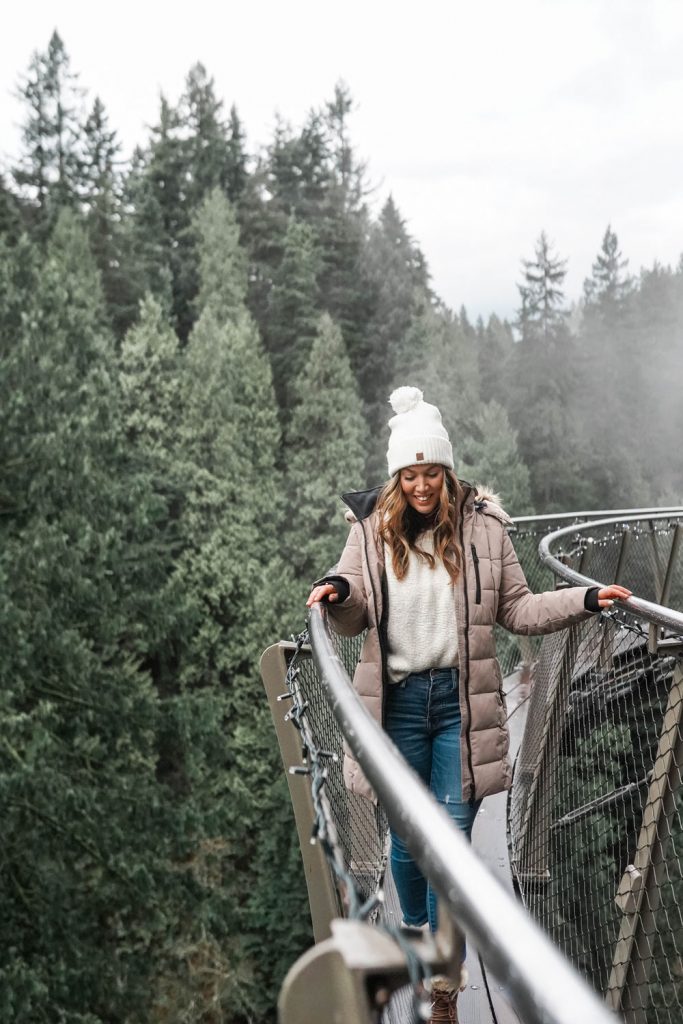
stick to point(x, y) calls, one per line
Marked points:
point(422, 717)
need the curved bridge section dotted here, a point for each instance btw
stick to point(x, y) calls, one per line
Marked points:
point(595, 811)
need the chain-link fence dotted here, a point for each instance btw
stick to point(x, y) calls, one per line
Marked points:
point(596, 824)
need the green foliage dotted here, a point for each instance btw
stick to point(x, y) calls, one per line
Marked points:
point(325, 453)
point(396, 291)
point(491, 454)
point(436, 356)
point(292, 314)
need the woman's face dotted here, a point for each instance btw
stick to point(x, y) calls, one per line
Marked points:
point(422, 486)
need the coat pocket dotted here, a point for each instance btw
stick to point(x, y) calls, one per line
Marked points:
point(477, 581)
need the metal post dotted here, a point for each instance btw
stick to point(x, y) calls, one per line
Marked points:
point(671, 565)
point(659, 572)
point(621, 559)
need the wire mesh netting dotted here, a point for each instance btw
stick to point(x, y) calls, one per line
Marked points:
point(595, 812)
point(361, 827)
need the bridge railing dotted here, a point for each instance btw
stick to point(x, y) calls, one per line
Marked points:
point(595, 811)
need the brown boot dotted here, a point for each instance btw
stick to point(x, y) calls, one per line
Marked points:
point(444, 999)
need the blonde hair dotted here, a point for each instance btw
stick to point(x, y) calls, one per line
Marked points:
point(399, 526)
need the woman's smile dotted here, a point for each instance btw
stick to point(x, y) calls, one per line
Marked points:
point(421, 486)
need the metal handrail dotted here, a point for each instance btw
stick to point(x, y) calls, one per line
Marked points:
point(648, 610)
point(541, 985)
point(641, 513)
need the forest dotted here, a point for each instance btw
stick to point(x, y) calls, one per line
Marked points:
point(197, 344)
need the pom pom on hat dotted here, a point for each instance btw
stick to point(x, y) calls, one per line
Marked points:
point(417, 433)
point(404, 399)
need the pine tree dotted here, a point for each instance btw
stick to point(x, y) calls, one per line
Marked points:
point(145, 240)
point(326, 447)
point(79, 719)
point(214, 153)
point(50, 172)
point(221, 260)
point(608, 283)
point(231, 570)
point(495, 349)
point(235, 179)
point(542, 313)
point(292, 316)
point(437, 357)
point(544, 381)
point(396, 283)
point(104, 211)
point(489, 455)
point(608, 388)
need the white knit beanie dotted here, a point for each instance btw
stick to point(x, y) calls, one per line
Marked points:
point(417, 433)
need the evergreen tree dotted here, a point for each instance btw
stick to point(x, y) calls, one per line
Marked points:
point(495, 349)
point(396, 282)
point(231, 569)
point(235, 179)
point(292, 317)
point(222, 262)
point(489, 455)
point(607, 391)
point(542, 313)
point(78, 783)
point(544, 380)
point(608, 283)
point(145, 241)
point(50, 172)
point(326, 431)
point(104, 210)
point(437, 357)
point(214, 152)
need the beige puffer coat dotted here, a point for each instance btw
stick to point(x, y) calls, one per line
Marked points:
point(491, 589)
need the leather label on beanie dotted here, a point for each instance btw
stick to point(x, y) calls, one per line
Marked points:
point(419, 456)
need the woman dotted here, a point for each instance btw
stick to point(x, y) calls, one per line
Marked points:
point(428, 569)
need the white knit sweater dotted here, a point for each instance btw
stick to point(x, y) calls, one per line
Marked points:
point(421, 623)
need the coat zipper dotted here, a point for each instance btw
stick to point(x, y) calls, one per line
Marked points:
point(467, 658)
point(475, 559)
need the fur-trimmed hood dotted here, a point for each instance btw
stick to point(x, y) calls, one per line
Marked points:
point(361, 504)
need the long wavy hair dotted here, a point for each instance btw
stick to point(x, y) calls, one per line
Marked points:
point(399, 526)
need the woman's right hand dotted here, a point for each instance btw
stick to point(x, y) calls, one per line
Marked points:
point(319, 593)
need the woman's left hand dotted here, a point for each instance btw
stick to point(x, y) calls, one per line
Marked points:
point(608, 595)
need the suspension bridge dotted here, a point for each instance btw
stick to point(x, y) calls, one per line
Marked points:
point(571, 895)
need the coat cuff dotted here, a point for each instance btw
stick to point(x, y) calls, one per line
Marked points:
point(340, 584)
point(590, 601)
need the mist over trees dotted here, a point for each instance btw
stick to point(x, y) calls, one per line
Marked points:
point(197, 345)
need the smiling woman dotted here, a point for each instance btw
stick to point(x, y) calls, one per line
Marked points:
point(428, 569)
point(422, 486)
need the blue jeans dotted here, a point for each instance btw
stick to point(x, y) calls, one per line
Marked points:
point(422, 717)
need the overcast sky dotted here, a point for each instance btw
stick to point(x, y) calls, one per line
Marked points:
point(487, 121)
